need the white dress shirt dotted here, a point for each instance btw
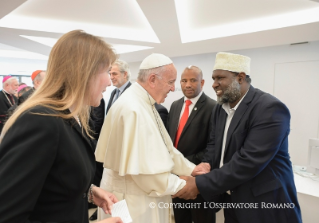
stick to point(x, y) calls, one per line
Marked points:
point(230, 112)
point(191, 106)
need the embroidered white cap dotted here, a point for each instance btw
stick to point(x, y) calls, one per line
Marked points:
point(232, 62)
point(155, 60)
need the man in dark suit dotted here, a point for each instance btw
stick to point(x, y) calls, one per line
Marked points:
point(37, 77)
point(162, 111)
point(120, 75)
point(96, 121)
point(247, 150)
point(191, 137)
point(7, 99)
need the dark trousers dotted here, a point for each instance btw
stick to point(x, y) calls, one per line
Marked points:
point(229, 213)
point(197, 214)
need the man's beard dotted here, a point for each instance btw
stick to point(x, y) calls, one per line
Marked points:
point(231, 94)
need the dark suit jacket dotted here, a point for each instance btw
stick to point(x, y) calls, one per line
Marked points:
point(162, 112)
point(97, 118)
point(46, 168)
point(257, 165)
point(25, 96)
point(113, 94)
point(194, 137)
point(4, 107)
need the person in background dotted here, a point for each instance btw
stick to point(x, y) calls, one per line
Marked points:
point(247, 150)
point(7, 97)
point(46, 147)
point(120, 75)
point(162, 111)
point(37, 78)
point(189, 128)
point(97, 118)
point(22, 89)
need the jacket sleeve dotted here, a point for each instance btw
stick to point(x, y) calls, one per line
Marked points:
point(27, 153)
point(268, 129)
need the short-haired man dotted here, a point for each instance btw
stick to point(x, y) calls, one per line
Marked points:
point(10, 87)
point(136, 148)
point(120, 75)
point(188, 127)
point(247, 150)
point(37, 77)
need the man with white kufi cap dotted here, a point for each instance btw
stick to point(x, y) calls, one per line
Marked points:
point(136, 148)
point(247, 150)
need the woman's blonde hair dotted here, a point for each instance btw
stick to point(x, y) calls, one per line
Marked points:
point(74, 62)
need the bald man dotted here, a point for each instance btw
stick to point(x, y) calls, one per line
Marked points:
point(190, 133)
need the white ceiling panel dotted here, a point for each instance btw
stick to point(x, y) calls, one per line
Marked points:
point(208, 19)
point(108, 18)
point(137, 28)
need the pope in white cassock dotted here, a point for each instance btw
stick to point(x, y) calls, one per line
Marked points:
point(140, 160)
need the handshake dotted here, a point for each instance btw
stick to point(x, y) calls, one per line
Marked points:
point(200, 169)
point(190, 190)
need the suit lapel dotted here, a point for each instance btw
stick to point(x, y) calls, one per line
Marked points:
point(239, 114)
point(198, 106)
point(78, 129)
point(112, 96)
point(127, 86)
point(110, 101)
point(75, 125)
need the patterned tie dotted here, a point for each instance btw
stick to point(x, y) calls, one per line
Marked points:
point(182, 122)
point(116, 95)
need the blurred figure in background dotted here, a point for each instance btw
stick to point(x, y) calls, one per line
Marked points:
point(7, 98)
point(37, 78)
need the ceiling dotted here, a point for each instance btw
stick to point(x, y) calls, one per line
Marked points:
point(136, 28)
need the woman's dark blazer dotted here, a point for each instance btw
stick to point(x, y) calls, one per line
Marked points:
point(46, 167)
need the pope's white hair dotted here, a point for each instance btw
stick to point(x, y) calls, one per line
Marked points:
point(143, 74)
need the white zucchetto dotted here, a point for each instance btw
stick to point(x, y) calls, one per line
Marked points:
point(155, 60)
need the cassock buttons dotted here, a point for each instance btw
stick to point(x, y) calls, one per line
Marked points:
point(195, 108)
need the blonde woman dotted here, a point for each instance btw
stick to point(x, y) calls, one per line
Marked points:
point(46, 150)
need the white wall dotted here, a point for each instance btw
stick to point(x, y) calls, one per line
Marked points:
point(264, 61)
point(21, 66)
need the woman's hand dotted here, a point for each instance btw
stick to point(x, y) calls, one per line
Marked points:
point(111, 220)
point(103, 199)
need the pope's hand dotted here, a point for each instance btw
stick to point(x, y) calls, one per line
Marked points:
point(200, 169)
point(189, 191)
point(103, 199)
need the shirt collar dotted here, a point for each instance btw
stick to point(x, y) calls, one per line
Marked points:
point(194, 100)
point(123, 87)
